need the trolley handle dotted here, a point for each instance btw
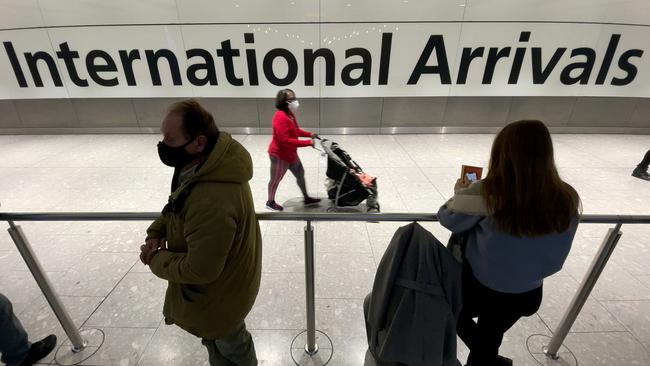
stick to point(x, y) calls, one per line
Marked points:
point(321, 140)
point(319, 146)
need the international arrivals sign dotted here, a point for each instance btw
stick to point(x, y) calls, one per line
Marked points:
point(331, 60)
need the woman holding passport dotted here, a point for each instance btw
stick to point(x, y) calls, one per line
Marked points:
point(519, 223)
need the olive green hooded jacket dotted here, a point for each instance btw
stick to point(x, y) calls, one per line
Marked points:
point(213, 258)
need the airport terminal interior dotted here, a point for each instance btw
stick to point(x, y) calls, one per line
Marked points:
point(412, 90)
point(94, 266)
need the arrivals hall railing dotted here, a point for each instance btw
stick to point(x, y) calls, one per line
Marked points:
point(311, 354)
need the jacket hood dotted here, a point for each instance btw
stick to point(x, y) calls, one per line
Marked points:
point(229, 162)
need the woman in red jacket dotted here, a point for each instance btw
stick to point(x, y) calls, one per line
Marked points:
point(284, 145)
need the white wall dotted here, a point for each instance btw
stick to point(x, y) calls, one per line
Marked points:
point(295, 25)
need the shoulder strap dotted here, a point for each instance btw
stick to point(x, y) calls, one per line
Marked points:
point(176, 202)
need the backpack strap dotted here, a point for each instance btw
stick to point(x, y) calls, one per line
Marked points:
point(176, 202)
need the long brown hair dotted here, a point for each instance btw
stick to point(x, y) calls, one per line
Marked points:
point(523, 191)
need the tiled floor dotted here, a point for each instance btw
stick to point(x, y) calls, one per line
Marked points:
point(94, 265)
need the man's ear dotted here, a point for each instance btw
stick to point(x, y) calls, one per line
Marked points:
point(201, 143)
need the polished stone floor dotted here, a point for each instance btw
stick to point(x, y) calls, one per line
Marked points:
point(94, 265)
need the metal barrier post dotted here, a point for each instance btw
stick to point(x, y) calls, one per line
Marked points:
point(311, 347)
point(579, 299)
point(19, 238)
point(312, 354)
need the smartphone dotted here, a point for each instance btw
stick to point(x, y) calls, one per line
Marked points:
point(471, 177)
point(471, 173)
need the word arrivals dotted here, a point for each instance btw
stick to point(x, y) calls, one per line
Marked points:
point(241, 68)
point(584, 60)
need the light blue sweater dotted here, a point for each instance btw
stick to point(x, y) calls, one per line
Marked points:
point(501, 261)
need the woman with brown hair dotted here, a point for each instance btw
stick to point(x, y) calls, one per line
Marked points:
point(519, 223)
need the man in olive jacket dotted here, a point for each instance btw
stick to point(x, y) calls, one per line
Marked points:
point(207, 241)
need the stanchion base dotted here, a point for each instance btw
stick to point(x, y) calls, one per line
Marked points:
point(536, 345)
point(321, 356)
point(66, 355)
point(311, 353)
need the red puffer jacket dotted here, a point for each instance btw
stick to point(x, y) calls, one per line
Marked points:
point(285, 140)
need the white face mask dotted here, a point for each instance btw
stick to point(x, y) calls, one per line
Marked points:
point(293, 106)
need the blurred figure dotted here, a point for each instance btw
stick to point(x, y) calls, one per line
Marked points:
point(519, 222)
point(284, 145)
point(641, 170)
point(14, 346)
point(207, 242)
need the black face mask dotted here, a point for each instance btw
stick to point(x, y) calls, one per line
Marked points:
point(176, 157)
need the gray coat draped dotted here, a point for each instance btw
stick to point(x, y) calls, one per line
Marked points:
point(415, 301)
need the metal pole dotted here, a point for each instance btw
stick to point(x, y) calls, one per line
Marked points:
point(289, 216)
point(311, 347)
point(595, 269)
point(19, 238)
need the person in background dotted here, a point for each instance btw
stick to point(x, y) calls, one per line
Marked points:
point(283, 147)
point(519, 223)
point(14, 346)
point(641, 170)
point(206, 243)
